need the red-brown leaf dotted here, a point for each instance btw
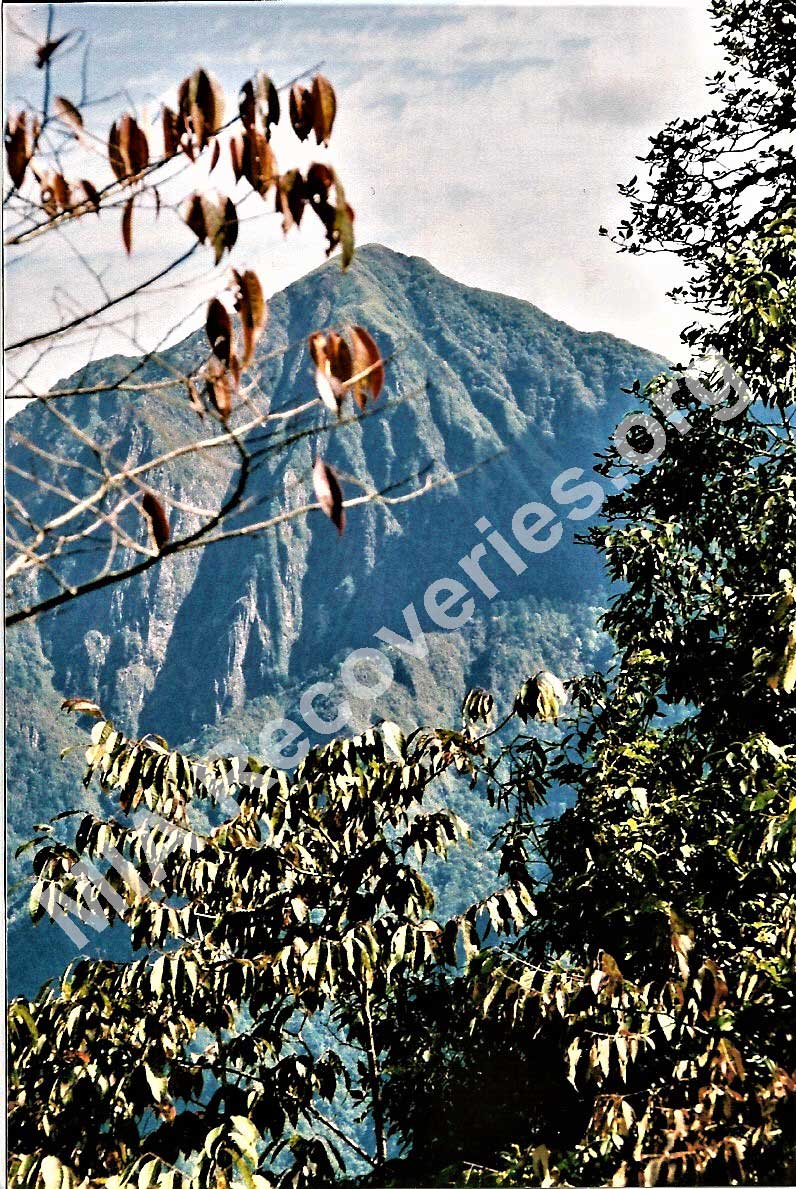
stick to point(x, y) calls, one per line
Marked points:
point(324, 108)
point(212, 217)
point(61, 191)
point(328, 493)
point(218, 327)
point(128, 149)
point(302, 111)
point(137, 147)
point(333, 363)
point(258, 164)
point(259, 98)
point(216, 153)
point(194, 215)
point(317, 344)
point(251, 306)
point(338, 353)
point(127, 224)
point(201, 102)
point(218, 389)
point(46, 51)
point(92, 193)
point(66, 111)
point(337, 217)
point(173, 128)
point(47, 193)
point(366, 358)
point(229, 230)
point(19, 146)
point(320, 179)
point(291, 198)
point(330, 390)
point(158, 520)
point(236, 155)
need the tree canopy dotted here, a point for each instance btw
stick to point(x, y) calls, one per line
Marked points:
point(620, 1010)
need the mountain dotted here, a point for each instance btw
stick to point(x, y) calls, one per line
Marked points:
point(214, 644)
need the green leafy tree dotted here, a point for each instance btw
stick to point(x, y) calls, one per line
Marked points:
point(261, 904)
point(661, 966)
point(639, 1026)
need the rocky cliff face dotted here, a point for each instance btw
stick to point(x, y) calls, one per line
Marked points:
point(213, 643)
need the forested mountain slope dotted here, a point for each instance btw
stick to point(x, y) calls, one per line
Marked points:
point(212, 644)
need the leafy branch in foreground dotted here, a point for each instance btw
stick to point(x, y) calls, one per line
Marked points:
point(622, 1016)
point(262, 902)
point(121, 507)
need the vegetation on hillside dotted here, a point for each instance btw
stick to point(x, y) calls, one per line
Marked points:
point(619, 1009)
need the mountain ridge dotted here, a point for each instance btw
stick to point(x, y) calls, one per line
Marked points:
point(214, 643)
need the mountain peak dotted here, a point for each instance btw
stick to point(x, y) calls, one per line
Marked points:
point(217, 643)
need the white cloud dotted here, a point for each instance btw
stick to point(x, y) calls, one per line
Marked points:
point(490, 142)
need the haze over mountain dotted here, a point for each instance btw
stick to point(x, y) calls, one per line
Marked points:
point(213, 644)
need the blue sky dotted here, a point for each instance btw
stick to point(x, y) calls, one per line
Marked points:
point(489, 140)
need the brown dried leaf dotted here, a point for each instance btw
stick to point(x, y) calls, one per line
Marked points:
point(291, 198)
point(338, 353)
point(117, 161)
point(343, 231)
point(158, 520)
point(259, 98)
point(19, 146)
point(128, 149)
point(193, 214)
point(333, 363)
point(251, 306)
point(201, 101)
point(216, 153)
point(320, 179)
point(329, 390)
point(47, 193)
point(228, 232)
point(324, 104)
point(236, 155)
point(67, 112)
point(173, 129)
point(61, 191)
point(302, 111)
point(366, 358)
point(127, 224)
point(218, 389)
point(46, 51)
point(218, 327)
point(81, 706)
point(212, 217)
point(258, 163)
point(317, 344)
point(337, 218)
point(92, 194)
point(328, 493)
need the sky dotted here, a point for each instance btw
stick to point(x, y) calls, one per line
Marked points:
point(488, 139)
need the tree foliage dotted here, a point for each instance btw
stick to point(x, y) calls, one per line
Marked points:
point(661, 966)
point(260, 901)
point(620, 1011)
point(122, 510)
